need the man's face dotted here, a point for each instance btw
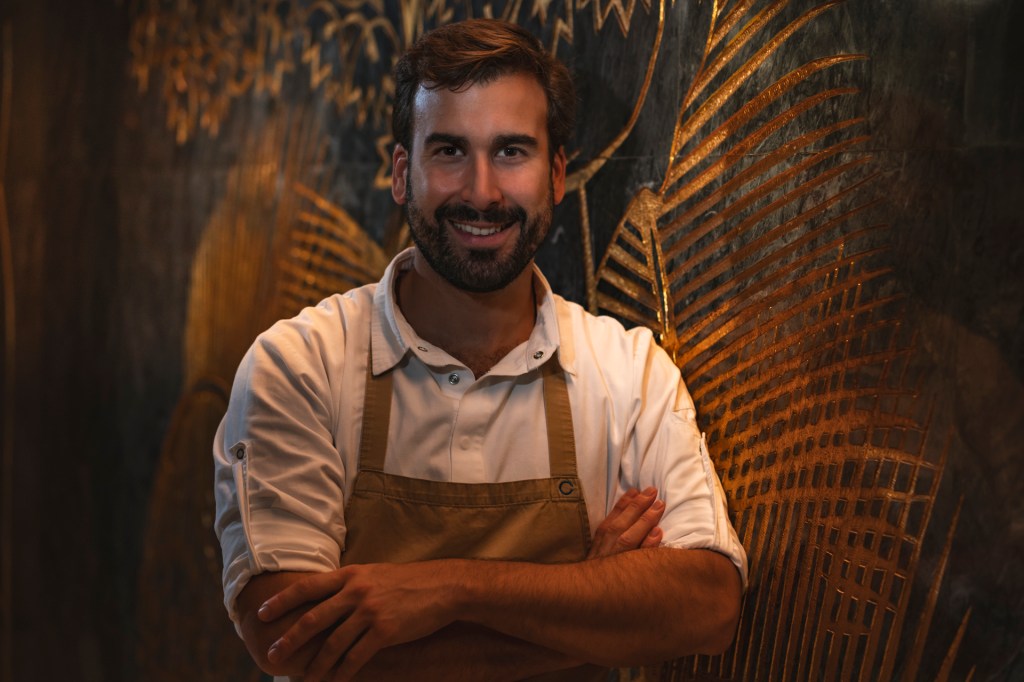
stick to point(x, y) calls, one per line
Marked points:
point(480, 181)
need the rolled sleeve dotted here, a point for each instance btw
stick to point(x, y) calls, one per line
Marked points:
point(696, 515)
point(279, 480)
point(676, 461)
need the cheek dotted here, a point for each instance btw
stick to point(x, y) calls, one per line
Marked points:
point(435, 185)
point(529, 192)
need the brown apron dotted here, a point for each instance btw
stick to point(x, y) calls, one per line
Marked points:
point(397, 519)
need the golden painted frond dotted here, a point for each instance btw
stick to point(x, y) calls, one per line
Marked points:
point(743, 68)
point(762, 267)
point(326, 252)
point(739, 160)
point(631, 283)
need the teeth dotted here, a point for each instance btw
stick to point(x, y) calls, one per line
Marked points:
point(476, 231)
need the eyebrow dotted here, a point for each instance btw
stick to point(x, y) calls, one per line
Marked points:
point(445, 138)
point(512, 139)
point(518, 140)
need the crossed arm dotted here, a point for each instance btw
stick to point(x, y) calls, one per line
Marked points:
point(499, 620)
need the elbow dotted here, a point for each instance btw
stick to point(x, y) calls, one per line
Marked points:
point(723, 615)
point(711, 633)
point(258, 635)
point(258, 638)
point(714, 636)
point(709, 621)
point(721, 632)
point(258, 651)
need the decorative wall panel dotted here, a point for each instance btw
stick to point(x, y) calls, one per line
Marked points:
point(809, 203)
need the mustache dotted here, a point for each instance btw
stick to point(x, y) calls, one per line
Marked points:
point(462, 213)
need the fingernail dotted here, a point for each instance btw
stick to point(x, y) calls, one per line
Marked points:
point(658, 505)
point(274, 653)
point(649, 491)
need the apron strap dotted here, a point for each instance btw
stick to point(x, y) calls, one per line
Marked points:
point(558, 414)
point(373, 442)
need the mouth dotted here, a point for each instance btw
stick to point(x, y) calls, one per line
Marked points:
point(480, 231)
point(484, 229)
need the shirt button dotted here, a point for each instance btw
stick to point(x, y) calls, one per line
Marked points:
point(538, 355)
point(453, 378)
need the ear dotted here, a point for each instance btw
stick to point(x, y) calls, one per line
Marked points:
point(399, 173)
point(558, 163)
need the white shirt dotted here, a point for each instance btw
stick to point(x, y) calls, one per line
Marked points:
point(287, 451)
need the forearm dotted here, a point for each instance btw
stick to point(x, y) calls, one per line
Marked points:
point(464, 651)
point(631, 608)
point(458, 651)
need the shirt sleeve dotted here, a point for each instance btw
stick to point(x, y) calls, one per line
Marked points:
point(673, 456)
point(278, 478)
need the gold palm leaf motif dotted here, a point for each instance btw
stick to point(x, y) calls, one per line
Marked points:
point(757, 265)
point(327, 252)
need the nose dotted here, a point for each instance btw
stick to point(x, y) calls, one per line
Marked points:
point(481, 189)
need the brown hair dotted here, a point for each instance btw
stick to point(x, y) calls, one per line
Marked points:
point(458, 55)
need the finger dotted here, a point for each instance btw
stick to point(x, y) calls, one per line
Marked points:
point(358, 656)
point(606, 526)
point(318, 619)
point(336, 649)
point(626, 498)
point(633, 509)
point(627, 511)
point(634, 536)
point(639, 504)
point(653, 539)
point(621, 519)
point(310, 588)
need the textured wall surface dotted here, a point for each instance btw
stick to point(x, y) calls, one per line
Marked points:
point(816, 205)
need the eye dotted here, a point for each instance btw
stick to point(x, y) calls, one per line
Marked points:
point(445, 151)
point(511, 152)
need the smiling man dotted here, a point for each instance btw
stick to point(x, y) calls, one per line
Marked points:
point(455, 474)
point(489, 190)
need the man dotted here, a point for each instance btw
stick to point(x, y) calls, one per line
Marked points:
point(408, 474)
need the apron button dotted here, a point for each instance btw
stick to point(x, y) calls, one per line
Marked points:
point(566, 487)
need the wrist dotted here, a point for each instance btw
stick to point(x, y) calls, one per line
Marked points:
point(458, 586)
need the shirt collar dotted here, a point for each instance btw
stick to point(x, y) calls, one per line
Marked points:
point(392, 337)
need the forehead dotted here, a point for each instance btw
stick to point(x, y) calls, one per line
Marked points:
point(512, 104)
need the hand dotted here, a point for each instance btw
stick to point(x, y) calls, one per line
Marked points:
point(631, 524)
point(367, 607)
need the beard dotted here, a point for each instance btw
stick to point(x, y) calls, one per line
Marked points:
point(480, 270)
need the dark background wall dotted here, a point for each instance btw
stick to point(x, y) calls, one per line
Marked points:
point(139, 259)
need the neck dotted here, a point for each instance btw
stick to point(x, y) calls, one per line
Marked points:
point(478, 329)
